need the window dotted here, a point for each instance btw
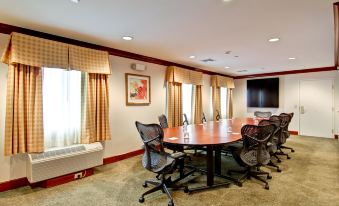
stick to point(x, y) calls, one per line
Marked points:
point(187, 100)
point(223, 102)
point(61, 107)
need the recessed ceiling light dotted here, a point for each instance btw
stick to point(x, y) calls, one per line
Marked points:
point(292, 58)
point(127, 38)
point(226, 0)
point(274, 39)
point(192, 57)
point(227, 67)
point(75, 1)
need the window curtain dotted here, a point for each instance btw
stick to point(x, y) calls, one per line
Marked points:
point(174, 104)
point(26, 55)
point(229, 103)
point(96, 124)
point(24, 110)
point(175, 77)
point(217, 82)
point(215, 101)
point(197, 104)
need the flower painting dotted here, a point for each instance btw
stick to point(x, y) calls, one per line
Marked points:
point(137, 89)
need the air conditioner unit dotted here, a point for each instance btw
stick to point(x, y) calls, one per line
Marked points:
point(61, 161)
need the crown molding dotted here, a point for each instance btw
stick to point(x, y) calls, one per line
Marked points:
point(8, 29)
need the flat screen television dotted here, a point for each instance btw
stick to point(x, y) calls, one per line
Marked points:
point(263, 93)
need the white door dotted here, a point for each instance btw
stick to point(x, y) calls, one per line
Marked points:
point(316, 108)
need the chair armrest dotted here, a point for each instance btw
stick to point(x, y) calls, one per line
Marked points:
point(148, 141)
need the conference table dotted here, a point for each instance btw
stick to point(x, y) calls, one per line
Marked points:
point(213, 136)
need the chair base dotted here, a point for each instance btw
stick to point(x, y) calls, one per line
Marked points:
point(254, 172)
point(290, 148)
point(163, 185)
point(274, 165)
point(281, 152)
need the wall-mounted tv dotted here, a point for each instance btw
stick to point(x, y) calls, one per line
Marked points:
point(263, 93)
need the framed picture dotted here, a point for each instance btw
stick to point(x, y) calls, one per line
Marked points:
point(138, 89)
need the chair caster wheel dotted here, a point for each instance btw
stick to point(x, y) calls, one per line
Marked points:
point(269, 177)
point(141, 199)
point(186, 190)
point(288, 157)
point(170, 203)
point(145, 185)
point(239, 184)
point(279, 161)
point(278, 170)
point(292, 150)
point(267, 187)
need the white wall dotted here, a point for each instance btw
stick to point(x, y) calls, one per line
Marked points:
point(288, 96)
point(124, 134)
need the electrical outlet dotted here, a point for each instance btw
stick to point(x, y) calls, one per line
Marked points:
point(78, 175)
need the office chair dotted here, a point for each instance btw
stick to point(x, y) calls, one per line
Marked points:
point(286, 132)
point(185, 122)
point(260, 114)
point(156, 160)
point(217, 117)
point(272, 144)
point(163, 121)
point(254, 153)
point(203, 119)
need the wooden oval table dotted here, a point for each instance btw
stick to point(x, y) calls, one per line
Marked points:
point(212, 135)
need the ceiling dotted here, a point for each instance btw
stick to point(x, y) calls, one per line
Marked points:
point(173, 30)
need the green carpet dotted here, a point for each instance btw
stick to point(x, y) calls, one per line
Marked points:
point(311, 177)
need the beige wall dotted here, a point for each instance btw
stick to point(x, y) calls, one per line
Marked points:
point(124, 134)
point(288, 96)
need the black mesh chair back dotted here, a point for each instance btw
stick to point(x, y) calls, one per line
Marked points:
point(203, 119)
point(262, 114)
point(217, 117)
point(255, 139)
point(155, 158)
point(163, 121)
point(273, 142)
point(285, 121)
point(185, 122)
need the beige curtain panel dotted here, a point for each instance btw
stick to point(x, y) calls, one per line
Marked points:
point(179, 75)
point(216, 101)
point(24, 117)
point(336, 33)
point(197, 112)
point(97, 109)
point(39, 52)
point(88, 60)
point(220, 81)
point(34, 51)
point(174, 104)
point(229, 104)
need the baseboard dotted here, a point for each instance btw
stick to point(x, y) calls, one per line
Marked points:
point(13, 184)
point(63, 179)
point(117, 158)
point(294, 132)
point(336, 136)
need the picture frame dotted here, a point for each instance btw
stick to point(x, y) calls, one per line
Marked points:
point(138, 89)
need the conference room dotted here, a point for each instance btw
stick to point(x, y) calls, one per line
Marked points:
point(195, 102)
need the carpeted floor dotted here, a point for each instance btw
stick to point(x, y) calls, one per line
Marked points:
point(311, 177)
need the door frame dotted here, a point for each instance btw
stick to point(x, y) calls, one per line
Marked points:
point(333, 101)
